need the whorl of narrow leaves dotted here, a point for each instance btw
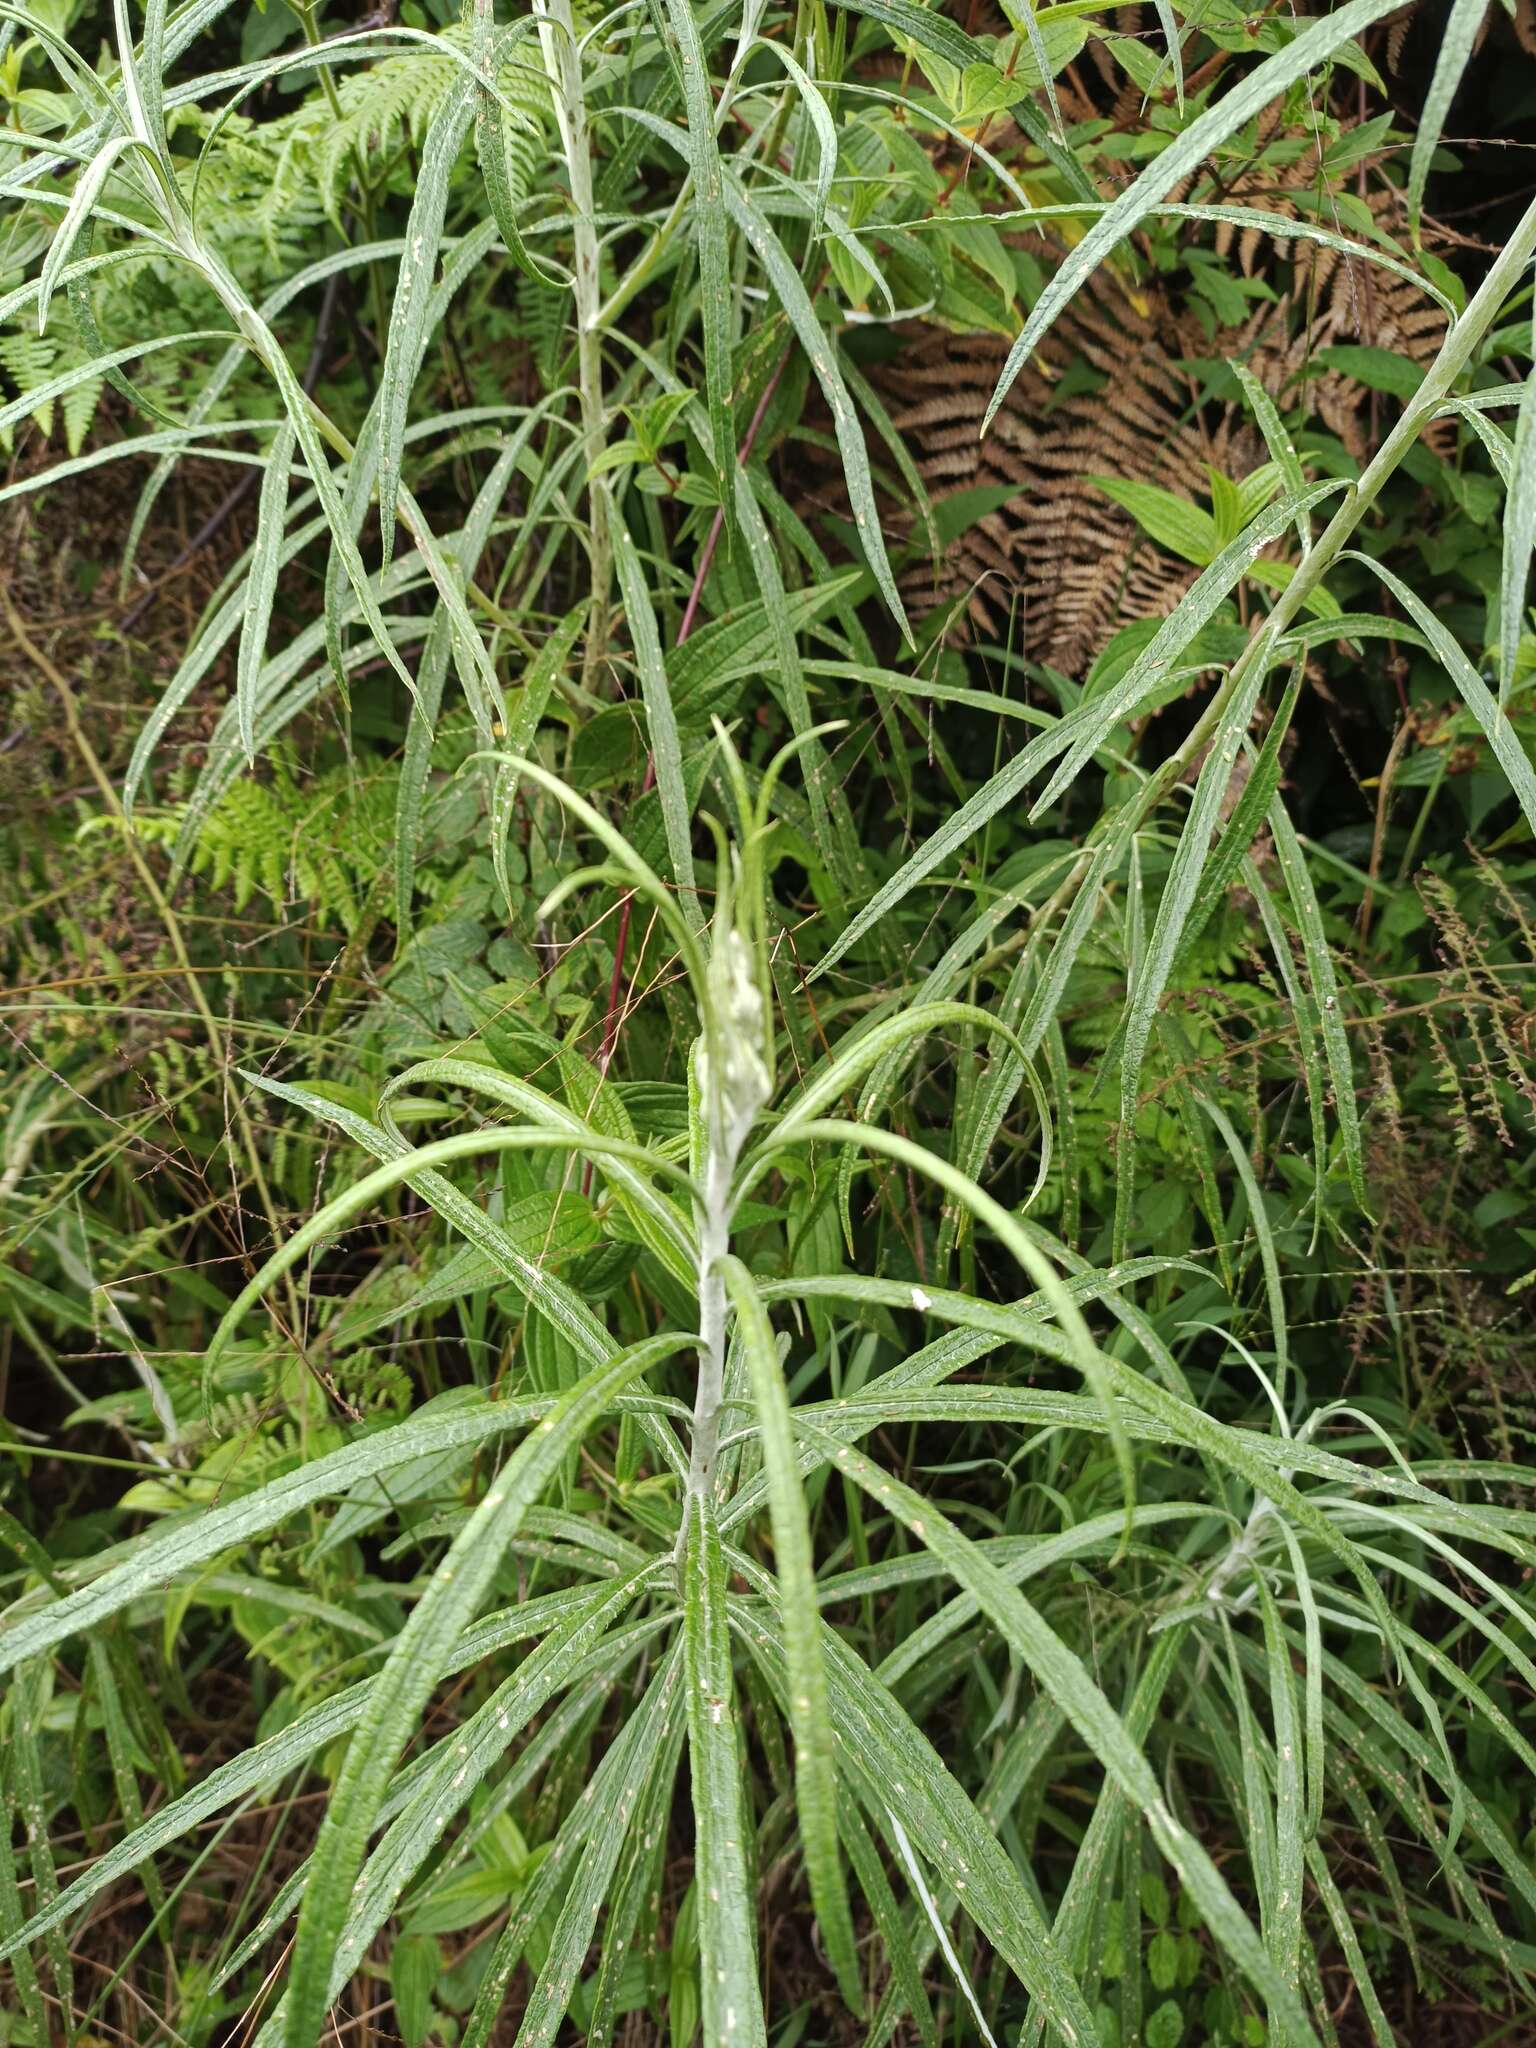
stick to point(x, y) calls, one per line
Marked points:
point(727, 1419)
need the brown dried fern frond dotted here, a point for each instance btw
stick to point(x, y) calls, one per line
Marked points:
point(1104, 397)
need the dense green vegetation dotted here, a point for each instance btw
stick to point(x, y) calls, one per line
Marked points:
point(767, 1203)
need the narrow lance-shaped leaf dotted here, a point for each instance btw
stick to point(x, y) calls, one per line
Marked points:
point(421, 727)
point(261, 581)
point(1284, 1921)
point(1041, 55)
point(627, 1767)
point(544, 1290)
point(1063, 1675)
point(410, 317)
point(1305, 52)
point(800, 1622)
point(666, 747)
point(82, 199)
point(1277, 440)
point(1248, 815)
point(433, 1790)
point(728, 1976)
point(414, 1667)
point(713, 242)
point(266, 1762)
point(1097, 719)
point(935, 1921)
point(1458, 38)
point(901, 1771)
point(1114, 1824)
point(491, 141)
point(1263, 1236)
point(527, 708)
point(819, 347)
point(23, 1970)
point(1180, 890)
point(1325, 987)
point(1083, 1351)
point(1168, 23)
point(1519, 535)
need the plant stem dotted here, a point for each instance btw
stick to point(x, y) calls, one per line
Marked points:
point(562, 61)
point(714, 1243)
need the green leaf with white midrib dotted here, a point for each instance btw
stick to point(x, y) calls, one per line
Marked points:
point(458, 1765)
point(417, 1166)
point(28, 1696)
point(261, 581)
point(963, 824)
point(540, 1897)
point(410, 318)
point(1019, 1559)
point(661, 722)
point(1085, 1354)
point(1519, 535)
point(1283, 1918)
point(528, 708)
point(1099, 715)
point(1243, 826)
point(903, 1953)
point(421, 720)
point(82, 203)
point(638, 1883)
point(1177, 902)
point(1092, 1865)
point(413, 1669)
point(801, 1628)
point(566, 1310)
point(709, 209)
point(900, 1770)
point(1305, 52)
point(205, 1533)
point(984, 1108)
point(667, 1229)
point(628, 1764)
point(347, 513)
point(1061, 1672)
point(1492, 720)
point(1458, 37)
point(840, 1071)
point(1382, 1740)
point(731, 2001)
point(821, 350)
point(491, 143)
point(266, 1762)
point(1297, 876)
point(58, 386)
